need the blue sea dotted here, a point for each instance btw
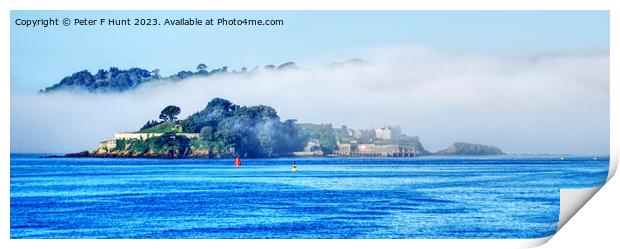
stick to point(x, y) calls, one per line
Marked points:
point(422, 197)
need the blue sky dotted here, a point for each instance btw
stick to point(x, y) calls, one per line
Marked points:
point(40, 57)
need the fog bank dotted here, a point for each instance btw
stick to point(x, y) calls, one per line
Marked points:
point(523, 104)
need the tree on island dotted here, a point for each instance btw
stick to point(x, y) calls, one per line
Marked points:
point(169, 113)
point(201, 67)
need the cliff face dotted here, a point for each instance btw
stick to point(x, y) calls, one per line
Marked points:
point(470, 149)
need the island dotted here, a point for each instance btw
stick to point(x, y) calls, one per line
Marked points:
point(223, 130)
point(122, 80)
point(461, 148)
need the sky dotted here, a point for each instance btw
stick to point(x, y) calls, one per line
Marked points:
point(528, 82)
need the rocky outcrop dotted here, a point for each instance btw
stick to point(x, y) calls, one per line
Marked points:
point(461, 148)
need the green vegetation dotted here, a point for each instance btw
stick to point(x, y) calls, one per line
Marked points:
point(324, 133)
point(216, 146)
point(113, 79)
point(149, 124)
point(249, 131)
point(168, 116)
point(254, 131)
point(119, 80)
point(168, 145)
point(161, 128)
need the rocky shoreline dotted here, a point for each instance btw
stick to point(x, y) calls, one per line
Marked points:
point(456, 149)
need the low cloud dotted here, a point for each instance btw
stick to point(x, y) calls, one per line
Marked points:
point(523, 104)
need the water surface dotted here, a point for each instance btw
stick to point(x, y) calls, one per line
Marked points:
point(423, 197)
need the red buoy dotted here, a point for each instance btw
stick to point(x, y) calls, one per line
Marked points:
point(238, 162)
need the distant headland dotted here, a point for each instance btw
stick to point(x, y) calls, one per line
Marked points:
point(223, 129)
point(119, 80)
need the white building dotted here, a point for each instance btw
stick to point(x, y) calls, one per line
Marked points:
point(388, 133)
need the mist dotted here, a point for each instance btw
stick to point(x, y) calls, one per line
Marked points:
point(534, 104)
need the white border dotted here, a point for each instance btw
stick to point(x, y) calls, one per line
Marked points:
point(283, 5)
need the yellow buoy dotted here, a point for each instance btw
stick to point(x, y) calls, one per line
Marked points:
point(294, 167)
